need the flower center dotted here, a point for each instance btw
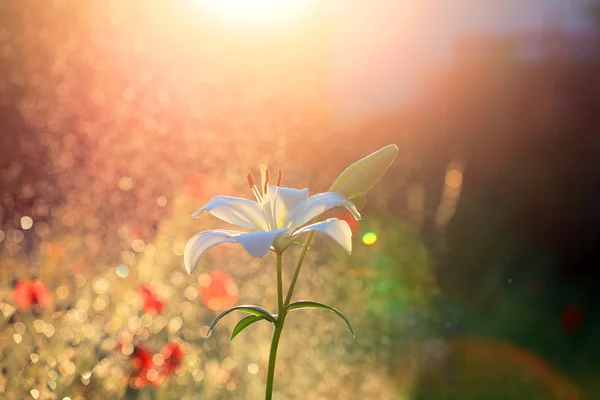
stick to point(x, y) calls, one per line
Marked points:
point(262, 194)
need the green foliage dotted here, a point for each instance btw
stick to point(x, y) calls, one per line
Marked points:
point(318, 306)
point(245, 323)
point(250, 309)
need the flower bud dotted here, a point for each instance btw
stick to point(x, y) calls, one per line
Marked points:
point(361, 176)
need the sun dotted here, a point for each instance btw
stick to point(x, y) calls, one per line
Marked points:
point(252, 12)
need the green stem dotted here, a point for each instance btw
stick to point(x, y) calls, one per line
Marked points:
point(288, 298)
point(282, 313)
point(276, 332)
point(272, 357)
point(279, 284)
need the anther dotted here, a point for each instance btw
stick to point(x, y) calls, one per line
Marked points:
point(267, 177)
point(250, 180)
point(279, 177)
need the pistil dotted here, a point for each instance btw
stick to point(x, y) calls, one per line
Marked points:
point(262, 195)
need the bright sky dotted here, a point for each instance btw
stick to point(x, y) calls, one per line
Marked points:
point(256, 12)
point(383, 46)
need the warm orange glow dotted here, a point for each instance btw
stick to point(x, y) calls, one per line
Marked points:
point(454, 179)
point(255, 11)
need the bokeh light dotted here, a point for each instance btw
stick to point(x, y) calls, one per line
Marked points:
point(454, 178)
point(120, 119)
point(217, 290)
point(26, 222)
point(122, 271)
point(369, 238)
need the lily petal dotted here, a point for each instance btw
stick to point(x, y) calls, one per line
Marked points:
point(315, 206)
point(200, 242)
point(237, 211)
point(285, 199)
point(258, 243)
point(336, 229)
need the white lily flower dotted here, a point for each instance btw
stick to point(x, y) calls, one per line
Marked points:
point(277, 218)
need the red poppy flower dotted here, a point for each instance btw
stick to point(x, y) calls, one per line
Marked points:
point(140, 359)
point(143, 369)
point(31, 293)
point(152, 304)
point(217, 290)
point(173, 355)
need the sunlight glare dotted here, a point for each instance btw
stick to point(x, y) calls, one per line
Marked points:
point(255, 11)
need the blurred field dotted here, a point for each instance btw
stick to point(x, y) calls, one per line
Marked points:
point(119, 119)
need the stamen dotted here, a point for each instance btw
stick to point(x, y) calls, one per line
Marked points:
point(267, 177)
point(279, 177)
point(250, 180)
point(259, 198)
point(253, 187)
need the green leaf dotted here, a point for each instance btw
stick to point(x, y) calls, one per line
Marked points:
point(250, 309)
point(313, 304)
point(244, 323)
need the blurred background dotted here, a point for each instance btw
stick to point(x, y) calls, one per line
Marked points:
point(473, 271)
